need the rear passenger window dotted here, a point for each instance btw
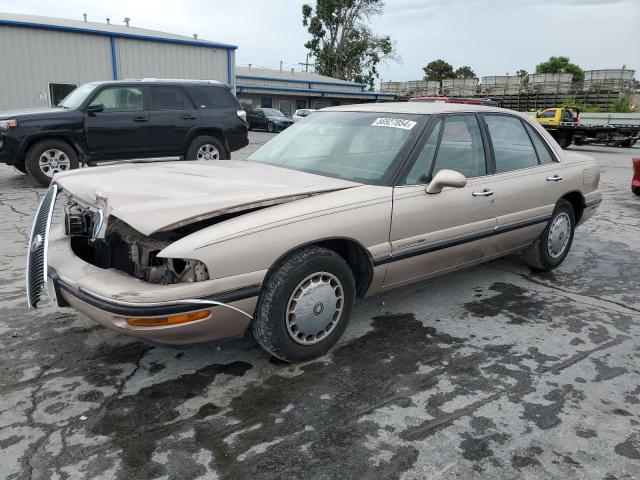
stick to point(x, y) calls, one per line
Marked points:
point(461, 148)
point(217, 97)
point(169, 98)
point(512, 148)
point(544, 155)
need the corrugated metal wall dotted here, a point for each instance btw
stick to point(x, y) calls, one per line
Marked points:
point(31, 58)
point(142, 58)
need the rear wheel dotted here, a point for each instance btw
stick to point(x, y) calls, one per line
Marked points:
point(47, 157)
point(271, 128)
point(305, 305)
point(636, 190)
point(565, 139)
point(552, 246)
point(205, 147)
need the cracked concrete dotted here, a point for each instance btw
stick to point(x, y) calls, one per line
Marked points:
point(491, 372)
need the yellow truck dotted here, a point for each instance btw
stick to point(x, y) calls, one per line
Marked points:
point(563, 123)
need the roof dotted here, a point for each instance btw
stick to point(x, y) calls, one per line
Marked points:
point(420, 108)
point(284, 75)
point(99, 28)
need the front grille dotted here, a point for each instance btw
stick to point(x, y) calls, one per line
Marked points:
point(37, 249)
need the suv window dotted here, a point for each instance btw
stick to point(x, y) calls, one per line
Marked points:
point(548, 114)
point(419, 172)
point(461, 148)
point(121, 99)
point(544, 155)
point(512, 147)
point(217, 97)
point(169, 98)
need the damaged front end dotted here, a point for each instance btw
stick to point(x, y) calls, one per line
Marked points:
point(119, 246)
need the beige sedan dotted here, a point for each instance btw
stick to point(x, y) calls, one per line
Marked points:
point(353, 201)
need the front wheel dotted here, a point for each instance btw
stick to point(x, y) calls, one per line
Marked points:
point(305, 305)
point(205, 147)
point(271, 128)
point(47, 157)
point(552, 246)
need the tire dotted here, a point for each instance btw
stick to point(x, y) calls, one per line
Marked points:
point(635, 190)
point(271, 128)
point(272, 326)
point(21, 167)
point(540, 255)
point(565, 139)
point(205, 147)
point(56, 155)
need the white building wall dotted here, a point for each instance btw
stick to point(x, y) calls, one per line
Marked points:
point(143, 58)
point(31, 58)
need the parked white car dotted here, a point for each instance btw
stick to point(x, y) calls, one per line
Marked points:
point(301, 113)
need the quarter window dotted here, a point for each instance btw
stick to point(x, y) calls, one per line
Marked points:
point(419, 172)
point(121, 99)
point(461, 148)
point(219, 97)
point(544, 155)
point(512, 147)
point(169, 98)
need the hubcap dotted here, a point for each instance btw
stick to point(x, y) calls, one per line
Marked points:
point(559, 234)
point(208, 152)
point(315, 308)
point(53, 161)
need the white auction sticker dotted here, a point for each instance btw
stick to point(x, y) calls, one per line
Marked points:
point(394, 123)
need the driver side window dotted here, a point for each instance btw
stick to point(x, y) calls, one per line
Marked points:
point(120, 99)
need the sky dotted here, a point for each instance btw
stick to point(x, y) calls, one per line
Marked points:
point(494, 37)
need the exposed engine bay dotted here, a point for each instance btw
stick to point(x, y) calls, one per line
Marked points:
point(121, 247)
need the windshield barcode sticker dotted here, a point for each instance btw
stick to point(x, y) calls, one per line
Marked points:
point(394, 123)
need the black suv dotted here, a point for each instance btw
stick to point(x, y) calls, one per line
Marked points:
point(117, 120)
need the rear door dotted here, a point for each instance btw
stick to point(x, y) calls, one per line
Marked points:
point(119, 130)
point(172, 117)
point(528, 181)
point(435, 232)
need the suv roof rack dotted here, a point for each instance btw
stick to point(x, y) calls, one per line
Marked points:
point(191, 80)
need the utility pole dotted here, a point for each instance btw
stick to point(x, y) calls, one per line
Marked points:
point(306, 64)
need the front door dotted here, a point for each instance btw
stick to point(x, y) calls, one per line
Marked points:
point(172, 117)
point(435, 232)
point(119, 130)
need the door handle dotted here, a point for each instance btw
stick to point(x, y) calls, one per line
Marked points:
point(189, 117)
point(140, 119)
point(555, 178)
point(484, 193)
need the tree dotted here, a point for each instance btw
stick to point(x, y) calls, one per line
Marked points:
point(438, 70)
point(342, 44)
point(561, 65)
point(465, 72)
point(522, 75)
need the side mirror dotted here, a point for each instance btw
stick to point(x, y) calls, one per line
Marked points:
point(95, 107)
point(537, 114)
point(446, 178)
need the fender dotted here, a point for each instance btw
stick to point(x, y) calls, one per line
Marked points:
point(73, 137)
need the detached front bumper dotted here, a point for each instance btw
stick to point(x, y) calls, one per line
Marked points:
point(111, 297)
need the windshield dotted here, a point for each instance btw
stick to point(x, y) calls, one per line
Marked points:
point(356, 146)
point(79, 95)
point(270, 112)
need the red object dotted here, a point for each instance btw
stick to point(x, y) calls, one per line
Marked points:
point(635, 181)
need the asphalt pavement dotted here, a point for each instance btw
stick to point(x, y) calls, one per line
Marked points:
point(491, 372)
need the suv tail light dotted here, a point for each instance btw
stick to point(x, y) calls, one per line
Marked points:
point(242, 115)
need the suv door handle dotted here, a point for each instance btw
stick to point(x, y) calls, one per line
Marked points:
point(189, 117)
point(484, 193)
point(555, 178)
point(140, 119)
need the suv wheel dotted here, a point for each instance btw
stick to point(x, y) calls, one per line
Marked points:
point(205, 148)
point(305, 305)
point(46, 158)
point(552, 246)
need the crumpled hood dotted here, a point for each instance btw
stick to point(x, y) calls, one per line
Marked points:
point(163, 196)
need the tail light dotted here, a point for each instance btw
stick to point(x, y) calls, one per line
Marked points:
point(242, 115)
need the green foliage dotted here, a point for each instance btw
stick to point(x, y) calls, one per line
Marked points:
point(622, 105)
point(584, 107)
point(465, 72)
point(438, 70)
point(523, 74)
point(342, 44)
point(561, 65)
